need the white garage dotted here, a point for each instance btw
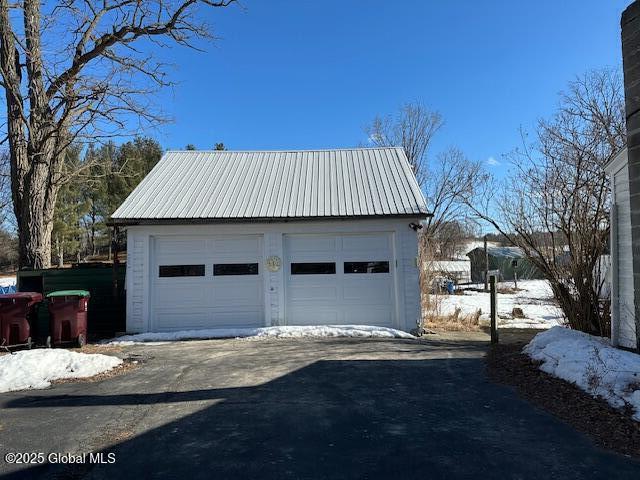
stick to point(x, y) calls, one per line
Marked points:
point(246, 239)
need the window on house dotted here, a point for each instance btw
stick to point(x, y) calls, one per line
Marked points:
point(181, 271)
point(220, 269)
point(313, 268)
point(366, 267)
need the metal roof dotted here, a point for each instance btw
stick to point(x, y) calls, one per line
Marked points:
point(505, 252)
point(228, 185)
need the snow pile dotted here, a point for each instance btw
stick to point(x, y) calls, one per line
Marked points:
point(362, 331)
point(37, 368)
point(535, 299)
point(7, 281)
point(591, 363)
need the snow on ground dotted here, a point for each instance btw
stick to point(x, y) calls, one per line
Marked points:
point(265, 332)
point(37, 368)
point(535, 299)
point(591, 363)
point(7, 281)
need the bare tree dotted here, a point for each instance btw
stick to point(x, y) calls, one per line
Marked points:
point(82, 68)
point(555, 203)
point(451, 181)
point(448, 182)
point(412, 128)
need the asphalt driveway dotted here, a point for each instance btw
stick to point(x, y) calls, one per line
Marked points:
point(300, 409)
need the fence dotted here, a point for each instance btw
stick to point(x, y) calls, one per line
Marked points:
point(104, 282)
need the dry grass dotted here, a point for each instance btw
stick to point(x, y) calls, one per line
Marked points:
point(95, 348)
point(434, 319)
point(507, 290)
point(453, 322)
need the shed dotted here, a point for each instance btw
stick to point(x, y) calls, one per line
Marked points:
point(623, 327)
point(509, 261)
point(457, 270)
point(258, 238)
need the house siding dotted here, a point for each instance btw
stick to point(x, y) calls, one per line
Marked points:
point(623, 323)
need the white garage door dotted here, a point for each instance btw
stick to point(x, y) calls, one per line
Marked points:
point(339, 279)
point(207, 282)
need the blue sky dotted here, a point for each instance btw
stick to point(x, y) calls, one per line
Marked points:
point(309, 74)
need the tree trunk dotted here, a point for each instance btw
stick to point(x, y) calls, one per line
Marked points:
point(34, 205)
point(93, 232)
point(35, 224)
point(60, 251)
point(36, 159)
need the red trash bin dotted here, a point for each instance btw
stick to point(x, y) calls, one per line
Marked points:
point(68, 317)
point(17, 310)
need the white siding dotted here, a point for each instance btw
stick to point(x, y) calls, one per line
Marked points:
point(404, 290)
point(409, 288)
point(136, 251)
point(623, 326)
point(275, 281)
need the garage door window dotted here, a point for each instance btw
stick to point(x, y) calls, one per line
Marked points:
point(220, 269)
point(181, 271)
point(366, 267)
point(315, 268)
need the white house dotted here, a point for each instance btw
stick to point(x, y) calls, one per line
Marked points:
point(622, 301)
point(243, 239)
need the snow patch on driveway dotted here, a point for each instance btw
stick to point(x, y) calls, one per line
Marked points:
point(361, 331)
point(591, 363)
point(38, 368)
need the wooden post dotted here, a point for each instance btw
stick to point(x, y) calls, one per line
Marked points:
point(494, 309)
point(486, 265)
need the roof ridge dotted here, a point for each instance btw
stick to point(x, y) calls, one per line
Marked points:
point(339, 149)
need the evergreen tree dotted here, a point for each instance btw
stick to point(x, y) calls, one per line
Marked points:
point(70, 208)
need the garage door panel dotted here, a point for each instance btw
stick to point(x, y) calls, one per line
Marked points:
point(341, 298)
point(303, 293)
point(376, 292)
point(166, 296)
point(238, 319)
point(311, 244)
point(192, 245)
point(237, 293)
point(302, 315)
point(176, 320)
point(247, 245)
point(369, 244)
point(234, 298)
point(180, 259)
point(378, 316)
